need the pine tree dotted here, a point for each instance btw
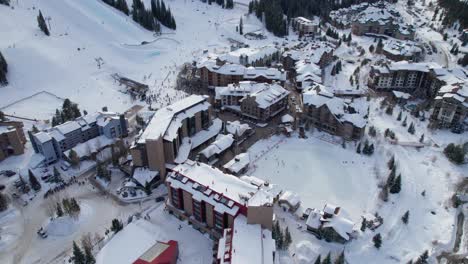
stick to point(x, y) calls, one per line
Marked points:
point(365, 150)
point(116, 225)
point(399, 116)
point(89, 258)
point(241, 26)
point(391, 162)
point(2, 116)
point(327, 259)
point(396, 187)
point(371, 149)
point(363, 224)
point(389, 110)
point(318, 260)
point(3, 70)
point(411, 129)
point(404, 124)
point(405, 217)
point(34, 182)
point(358, 149)
point(423, 259)
point(287, 238)
point(59, 210)
point(3, 202)
point(391, 177)
point(73, 156)
point(78, 255)
point(340, 259)
point(377, 239)
point(42, 24)
point(421, 139)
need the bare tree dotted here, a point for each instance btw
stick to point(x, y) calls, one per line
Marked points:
point(87, 242)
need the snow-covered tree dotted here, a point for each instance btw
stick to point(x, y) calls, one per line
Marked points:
point(377, 239)
point(42, 24)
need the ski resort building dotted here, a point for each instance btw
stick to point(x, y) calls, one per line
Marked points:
point(305, 26)
point(425, 79)
point(346, 118)
point(215, 73)
point(258, 101)
point(211, 200)
point(330, 224)
point(398, 50)
point(144, 249)
point(12, 139)
point(263, 56)
point(246, 243)
point(450, 106)
point(54, 143)
point(378, 19)
point(173, 132)
point(316, 52)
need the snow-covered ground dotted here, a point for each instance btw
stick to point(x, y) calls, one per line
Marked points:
point(320, 172)
point(81, 31)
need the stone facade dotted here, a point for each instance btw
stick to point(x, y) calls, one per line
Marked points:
point(12, 139)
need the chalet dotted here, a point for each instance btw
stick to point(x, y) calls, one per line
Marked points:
point(257, 101)
point(239, 130)
point(12, 139)
point(173, 132)
point(212, 153)
point(211, 200)
point(289, 201)
point(238, 165)
point(330, 224)
point(346, 118)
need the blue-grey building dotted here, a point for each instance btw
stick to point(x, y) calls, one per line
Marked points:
point(54, 142)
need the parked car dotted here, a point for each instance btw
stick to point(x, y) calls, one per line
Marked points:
point(160, 199)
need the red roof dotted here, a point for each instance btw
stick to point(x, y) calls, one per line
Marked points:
point(160, 253)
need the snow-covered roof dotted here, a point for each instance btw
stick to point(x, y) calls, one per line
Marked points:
point(252, 54)
point(342, 225)
point(42, 137)
point(238, 163)
point(403, 48)
point(291, 198)
point(305, 21)
point(339, 107)
point(215, 186)
point(246, 243)
point(91, 146)
point(240, 70)
point(118, 251)
point(162, 119)
point(144, 175)
point(313, 220)
point(287, 118)
point(222, 143)
point(401, 95)
point(269, 73)
point(236, 128)
point(265, 94)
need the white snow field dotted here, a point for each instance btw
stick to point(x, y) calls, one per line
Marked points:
point(324, 172)
point(320, 172)
point(81, 31)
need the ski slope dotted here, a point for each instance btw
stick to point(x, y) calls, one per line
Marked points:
point(81, 31)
